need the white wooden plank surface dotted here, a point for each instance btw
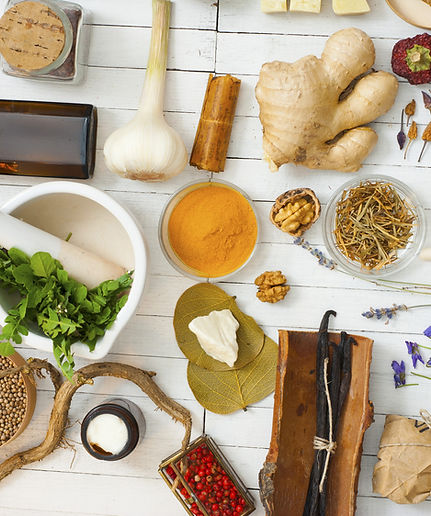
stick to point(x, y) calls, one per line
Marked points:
point(231, 37)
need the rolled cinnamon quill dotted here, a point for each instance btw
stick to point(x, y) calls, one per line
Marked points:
point(215, 125)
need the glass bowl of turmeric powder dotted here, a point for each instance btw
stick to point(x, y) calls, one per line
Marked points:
point(208, 229)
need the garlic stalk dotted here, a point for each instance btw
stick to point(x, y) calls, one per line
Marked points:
point(147, 148)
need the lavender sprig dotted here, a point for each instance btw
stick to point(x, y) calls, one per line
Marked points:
point(323, 260)
point(388, 312)
point(402, 286)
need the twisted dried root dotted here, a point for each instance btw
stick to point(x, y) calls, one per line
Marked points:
point(37, 366)
point(63, 398)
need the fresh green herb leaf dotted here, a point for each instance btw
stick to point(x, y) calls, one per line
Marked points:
point(17, 256)
point(64, 309)
point(23, 275)
point(43, 264)
point(6, 349)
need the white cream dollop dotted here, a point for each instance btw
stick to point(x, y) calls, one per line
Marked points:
point(216, 333)
point(108, 432)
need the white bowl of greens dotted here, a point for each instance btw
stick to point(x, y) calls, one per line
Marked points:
point(96, 222)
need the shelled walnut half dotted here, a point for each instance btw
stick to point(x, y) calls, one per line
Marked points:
point(272, 287)
point(295, 211)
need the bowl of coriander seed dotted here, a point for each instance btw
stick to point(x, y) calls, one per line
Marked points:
point(17, 399)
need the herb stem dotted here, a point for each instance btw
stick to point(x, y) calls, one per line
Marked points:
point(407, 385)
point(422, 376)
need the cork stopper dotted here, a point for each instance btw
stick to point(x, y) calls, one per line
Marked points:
point(32, 36)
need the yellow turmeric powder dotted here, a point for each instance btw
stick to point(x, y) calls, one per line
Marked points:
point(213, 230)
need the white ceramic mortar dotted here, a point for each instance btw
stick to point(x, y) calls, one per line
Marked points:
point(112, 230)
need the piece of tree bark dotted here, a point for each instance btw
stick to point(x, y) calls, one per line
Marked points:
point(215, 124)
point(284, 478)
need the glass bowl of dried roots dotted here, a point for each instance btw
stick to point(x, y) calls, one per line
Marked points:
point(374, 226)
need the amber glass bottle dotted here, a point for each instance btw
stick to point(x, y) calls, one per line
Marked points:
point(47, 139)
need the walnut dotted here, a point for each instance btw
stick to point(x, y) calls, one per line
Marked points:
point(272, 287)
point(295, 211)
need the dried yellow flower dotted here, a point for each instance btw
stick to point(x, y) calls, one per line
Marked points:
point(413, 134)
point(410, 110)
point(426, 137)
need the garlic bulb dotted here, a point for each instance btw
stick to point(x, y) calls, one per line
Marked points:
point(147, 148)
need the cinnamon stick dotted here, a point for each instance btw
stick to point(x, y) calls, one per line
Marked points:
point(215, 125)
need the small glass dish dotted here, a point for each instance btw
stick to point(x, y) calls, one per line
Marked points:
point(405, 256)
point(165, 244)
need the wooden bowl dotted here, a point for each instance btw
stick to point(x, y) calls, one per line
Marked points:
point(30, 388)
point(415, 12)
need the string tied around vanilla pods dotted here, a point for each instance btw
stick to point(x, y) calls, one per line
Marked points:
point(328, 445)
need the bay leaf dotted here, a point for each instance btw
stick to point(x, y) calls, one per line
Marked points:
point(224, 392)
point(201, 299)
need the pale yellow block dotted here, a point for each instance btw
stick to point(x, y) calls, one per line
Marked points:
point(309, 6)
point(343, 7)
point(273, 6)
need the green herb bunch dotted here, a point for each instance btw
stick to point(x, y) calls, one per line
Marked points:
point(64, 309)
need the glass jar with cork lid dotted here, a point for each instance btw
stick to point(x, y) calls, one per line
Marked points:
point(42, 40)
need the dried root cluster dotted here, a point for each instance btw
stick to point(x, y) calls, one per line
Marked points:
point(63, 397)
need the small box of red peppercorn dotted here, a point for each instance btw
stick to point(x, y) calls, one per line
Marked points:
point(204, 482)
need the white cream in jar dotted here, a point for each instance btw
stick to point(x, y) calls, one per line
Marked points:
point(108, 434)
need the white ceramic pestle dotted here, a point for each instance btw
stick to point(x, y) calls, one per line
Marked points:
point(82, 265)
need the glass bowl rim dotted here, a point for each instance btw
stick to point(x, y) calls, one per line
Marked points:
point(206, 183)
point(410, 253)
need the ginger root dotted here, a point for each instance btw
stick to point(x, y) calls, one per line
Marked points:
point(63, 397)
point(305, 122)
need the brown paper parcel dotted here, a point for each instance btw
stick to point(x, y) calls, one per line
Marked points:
point(403, 473)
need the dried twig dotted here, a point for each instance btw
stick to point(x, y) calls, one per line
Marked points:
point(63, 398)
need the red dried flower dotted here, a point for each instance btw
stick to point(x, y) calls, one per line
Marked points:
point(411, 58)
